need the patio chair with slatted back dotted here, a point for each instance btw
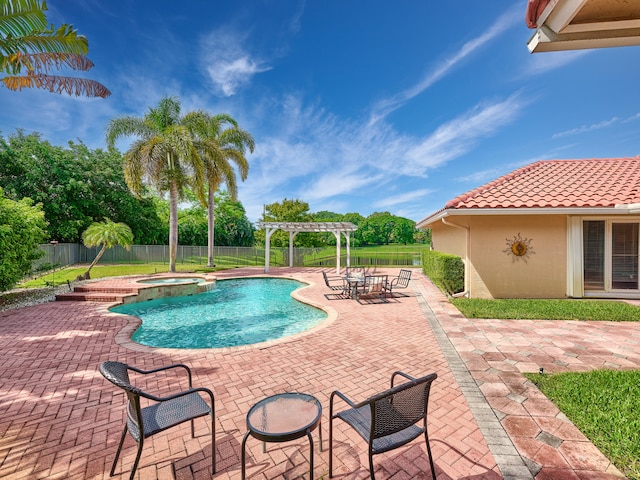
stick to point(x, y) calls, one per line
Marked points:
point(355, 271)
point(165, 412)
point(401, 281)
point(388, 419)
point(334, 282)
point(372, 286)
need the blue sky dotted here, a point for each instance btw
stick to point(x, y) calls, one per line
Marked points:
point(355, 106)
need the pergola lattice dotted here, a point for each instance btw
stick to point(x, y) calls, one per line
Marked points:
point(337, 228)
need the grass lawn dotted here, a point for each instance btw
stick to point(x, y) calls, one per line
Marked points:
point(560, 309)
point(605, 406)
point(102, 271)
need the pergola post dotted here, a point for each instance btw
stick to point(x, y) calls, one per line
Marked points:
point(347, 235)
point(292, 235)
point(337, 235)
point(267, 247)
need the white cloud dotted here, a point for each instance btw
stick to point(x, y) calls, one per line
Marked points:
point(402, 198)
point(543, 63)
point(340, 182)
point(227, 62)
point(317, 157)
point(388, 105)
point(587, 128)
point(460, 135)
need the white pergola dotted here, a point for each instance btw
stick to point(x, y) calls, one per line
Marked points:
point(337, 228)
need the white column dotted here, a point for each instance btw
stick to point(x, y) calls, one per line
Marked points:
point(347, 235)
point(337, 235)
point(292, 235)
point(267, 248)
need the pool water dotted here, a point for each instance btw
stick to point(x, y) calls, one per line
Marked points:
point(237, 312)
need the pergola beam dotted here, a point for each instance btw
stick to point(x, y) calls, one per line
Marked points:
point(337, 228)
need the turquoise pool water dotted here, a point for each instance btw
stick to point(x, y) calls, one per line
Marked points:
point(237, 312)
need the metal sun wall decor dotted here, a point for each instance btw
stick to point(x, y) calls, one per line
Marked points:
point(519, 248)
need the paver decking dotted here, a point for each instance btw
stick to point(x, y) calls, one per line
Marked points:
point(60, 419)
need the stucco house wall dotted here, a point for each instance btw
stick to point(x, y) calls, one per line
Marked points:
point(493, 270)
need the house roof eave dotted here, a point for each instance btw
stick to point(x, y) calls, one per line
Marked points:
point(631, 209)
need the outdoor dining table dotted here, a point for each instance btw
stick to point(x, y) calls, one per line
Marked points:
point(353, 282)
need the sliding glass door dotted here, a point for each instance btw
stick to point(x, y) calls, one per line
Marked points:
point(610, 252)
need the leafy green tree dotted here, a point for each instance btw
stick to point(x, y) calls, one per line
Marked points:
point(234, 228)
point(30, 47)
point(326, 216)
point(382, 228)
point(357, 220)
point(22, 229)
point(166, 153)
point(192, 225)
point(422, 236)
point(107, 234)
point(76, 185)
point(220, 143)
point(403, 230)
point(288, 211)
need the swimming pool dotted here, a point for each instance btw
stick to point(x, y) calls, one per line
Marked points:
point(237, 312)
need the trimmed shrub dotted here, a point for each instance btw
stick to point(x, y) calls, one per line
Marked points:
point(445, 271)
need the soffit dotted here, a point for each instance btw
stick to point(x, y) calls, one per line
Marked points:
point(580, 24)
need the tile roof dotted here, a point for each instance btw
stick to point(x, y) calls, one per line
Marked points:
point(603, 182)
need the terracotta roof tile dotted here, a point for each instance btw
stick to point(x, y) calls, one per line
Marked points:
point(603, 182)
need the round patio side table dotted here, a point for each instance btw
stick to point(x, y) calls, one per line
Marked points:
point(281, 418)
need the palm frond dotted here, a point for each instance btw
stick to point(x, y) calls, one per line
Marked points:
point(127, 125)
point(57, 84)
point(167, 113)
point(19, 17)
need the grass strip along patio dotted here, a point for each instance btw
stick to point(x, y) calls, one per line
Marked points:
point(604, 405)
point(548, 309)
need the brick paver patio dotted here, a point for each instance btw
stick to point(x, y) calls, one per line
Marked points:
point(60, 419)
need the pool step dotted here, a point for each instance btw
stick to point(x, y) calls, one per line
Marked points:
point(106, 289)
point(106, 294)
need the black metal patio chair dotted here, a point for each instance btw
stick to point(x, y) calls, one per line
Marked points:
point(164, 413)
point(334, 282)
point(401, 281)
point(372, 287)
point(388, 419)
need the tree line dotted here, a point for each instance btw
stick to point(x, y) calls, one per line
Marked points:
point(50, 192)
point(75, 186)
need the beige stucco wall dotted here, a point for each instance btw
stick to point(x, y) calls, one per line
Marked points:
point(494, 272)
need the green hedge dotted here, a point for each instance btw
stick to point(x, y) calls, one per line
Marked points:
point(446, 271)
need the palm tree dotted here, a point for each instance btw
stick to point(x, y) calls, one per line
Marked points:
point(108, 234)
point(220, 143)
point(166, 154)
point(29, 47)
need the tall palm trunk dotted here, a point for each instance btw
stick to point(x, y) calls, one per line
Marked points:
point(95, 260)
point(173, 226)
point(211, 226)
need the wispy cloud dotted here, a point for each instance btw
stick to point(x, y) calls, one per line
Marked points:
point(227, 62)
point(538, 64)
point(386, 106)
point(460, 135)
point(480, 177)
point(587, 128)
point(316, 156)
point(405, 197)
